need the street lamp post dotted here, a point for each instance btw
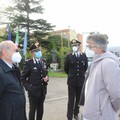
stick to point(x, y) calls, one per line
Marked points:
point(61, 39)
point(69, 37)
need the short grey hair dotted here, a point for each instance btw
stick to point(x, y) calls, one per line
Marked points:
point(99, 39)
point(4, 45)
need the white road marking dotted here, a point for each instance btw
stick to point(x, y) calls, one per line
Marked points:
point(57, 98)
point(52, 99)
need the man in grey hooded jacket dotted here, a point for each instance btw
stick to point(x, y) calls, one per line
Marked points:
point(102, 89)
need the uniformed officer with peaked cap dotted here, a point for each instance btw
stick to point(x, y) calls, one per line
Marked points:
point(34, 46)
point(35, 78)
point(75, 66)
point(75, 42)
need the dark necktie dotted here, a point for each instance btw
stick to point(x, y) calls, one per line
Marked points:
point(13, 68)
point(37, 61)
point(77, 55)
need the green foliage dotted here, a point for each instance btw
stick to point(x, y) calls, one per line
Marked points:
point(47, 56)
point(20, 15)
point(28, 56)
point(38, 30)
point(23, 5)
point(55, 42)
point(62, 54)
point(2, 34)
point(57, 74)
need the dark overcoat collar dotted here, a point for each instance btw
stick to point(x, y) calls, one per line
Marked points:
point(4, 66)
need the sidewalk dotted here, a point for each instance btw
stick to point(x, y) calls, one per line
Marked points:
point(56, 100)
point(55, 107)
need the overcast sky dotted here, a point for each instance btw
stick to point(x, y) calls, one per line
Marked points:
point(85, 16)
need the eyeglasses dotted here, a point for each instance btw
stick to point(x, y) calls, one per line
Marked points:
point(90, 47)
point(17, 50)
point(14, 50)
point(75, 45)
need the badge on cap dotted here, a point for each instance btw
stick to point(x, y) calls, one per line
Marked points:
point(75, 42)
point(34, 46)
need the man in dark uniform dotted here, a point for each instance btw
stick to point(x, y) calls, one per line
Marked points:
point(34, 78)
point(75, 66)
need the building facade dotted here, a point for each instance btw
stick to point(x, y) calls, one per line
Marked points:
point(68, 34)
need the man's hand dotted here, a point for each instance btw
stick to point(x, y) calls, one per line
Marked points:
point(46, 79)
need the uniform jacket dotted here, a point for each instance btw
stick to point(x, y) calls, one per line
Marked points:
point(12, 99)
point(76, 68)
point(32, 77)
point(102, 99)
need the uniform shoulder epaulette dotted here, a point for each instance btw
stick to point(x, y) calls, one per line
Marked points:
point(44, 59)
point(82, 53)
point(27, 60)
point(69, 53)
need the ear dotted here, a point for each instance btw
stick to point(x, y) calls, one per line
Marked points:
point(3, 51)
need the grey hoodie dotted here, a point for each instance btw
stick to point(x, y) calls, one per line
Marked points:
point(103, 88)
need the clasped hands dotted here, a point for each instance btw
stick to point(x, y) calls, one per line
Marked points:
point(45, 79)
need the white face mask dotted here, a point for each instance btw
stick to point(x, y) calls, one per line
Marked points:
point(89, 53)
point(16, 57)
point(74, 48)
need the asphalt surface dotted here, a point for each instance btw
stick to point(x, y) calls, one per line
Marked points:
point(55, 107)
point(56, 100)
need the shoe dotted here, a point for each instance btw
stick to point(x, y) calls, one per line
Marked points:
point(76, 117)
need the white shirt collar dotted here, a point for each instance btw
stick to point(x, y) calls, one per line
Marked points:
point(35, 60)
point(8, 64)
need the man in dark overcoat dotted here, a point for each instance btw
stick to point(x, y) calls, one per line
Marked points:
point(12, 97)
point(35, 78)
point(75, 66)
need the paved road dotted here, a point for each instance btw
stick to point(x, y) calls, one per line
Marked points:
point(56, 100)
point(55, 107)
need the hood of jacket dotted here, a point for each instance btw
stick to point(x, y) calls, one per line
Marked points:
point(99, 57)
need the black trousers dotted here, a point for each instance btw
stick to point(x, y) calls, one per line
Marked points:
point(36, 106)
point(73, 101)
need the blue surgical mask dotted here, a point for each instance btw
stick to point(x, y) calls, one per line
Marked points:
point(38, 54)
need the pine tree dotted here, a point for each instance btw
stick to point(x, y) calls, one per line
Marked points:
point(21, 16)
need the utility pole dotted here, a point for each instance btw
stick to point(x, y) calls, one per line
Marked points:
point(61, 39)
